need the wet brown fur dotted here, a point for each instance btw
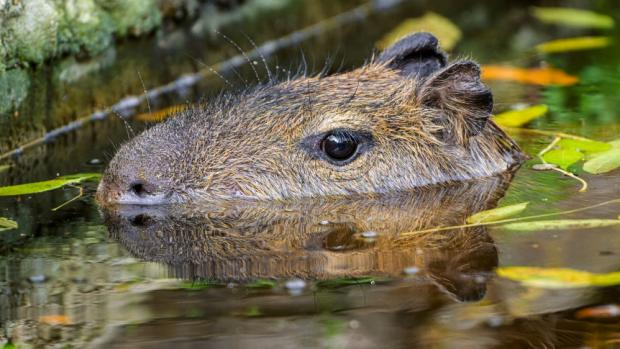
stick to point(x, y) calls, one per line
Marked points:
point(250, 145)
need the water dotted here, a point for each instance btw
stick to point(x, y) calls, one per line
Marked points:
point(315, 273)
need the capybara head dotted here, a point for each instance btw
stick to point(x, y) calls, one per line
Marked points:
point(407, 119)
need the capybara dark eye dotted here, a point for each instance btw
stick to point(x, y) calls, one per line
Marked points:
point(339, 146)
point(138, 189)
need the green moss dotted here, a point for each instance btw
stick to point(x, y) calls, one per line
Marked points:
point(29, 30)
point(132, 17)
point(84, 27)
point(14, 86)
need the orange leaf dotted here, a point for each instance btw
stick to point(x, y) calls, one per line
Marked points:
point(55, 319)
point(599, 312)
point(535, 76)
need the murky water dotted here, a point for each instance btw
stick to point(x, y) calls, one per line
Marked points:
point(316, 273)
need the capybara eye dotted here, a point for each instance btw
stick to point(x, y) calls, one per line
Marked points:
point(339, 146)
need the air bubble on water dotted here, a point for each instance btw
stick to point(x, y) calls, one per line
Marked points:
point(411, 270)
point(324, 222)
point(295, 286)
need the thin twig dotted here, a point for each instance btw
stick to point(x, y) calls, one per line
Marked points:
point(80, 194)
point(584, 184)
point(545, 133)
point(549, 147)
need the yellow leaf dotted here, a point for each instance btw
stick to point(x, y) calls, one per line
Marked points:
point(517, 118)
point(497, 214)
point(557, 277)
point(535, 76)
point(446, 31)
point(574, 44)
point(162, 114)
point(561, 224)
point(572, 17)
point(603, 162)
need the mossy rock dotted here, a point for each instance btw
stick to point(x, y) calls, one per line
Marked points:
point(14, 85)
point(132, 17)
point(29, 30)
point(84, 27)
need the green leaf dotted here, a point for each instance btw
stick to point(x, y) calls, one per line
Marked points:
point(199, 285)
point(586, 146)
point(574, 44)
point(603, 162)
point(335, 283)
point(572, 17)
point(262, 283)
point(555, 278)
point(497, 214)
point(518, 118)
point(563, 157)
point(39, 187)
point(7, 224)
point(561, 224)
point(446, 31)
point(9, 345)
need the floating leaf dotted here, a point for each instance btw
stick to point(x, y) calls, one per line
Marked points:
point(253, 312)
point(517, 118)
point(574, 44)
point(572, 17)
point(39, 187)
point(557, 277)
point(162, 114)
point(55, 319)
point(497, 214)
point(561, 224)
point(262, 283)
point(536, 76)
point(603, 162)
point(199, 285)
point(446, 31)
point(335, 283)
point(563, 157)
point(7, 224)
point(582, 145)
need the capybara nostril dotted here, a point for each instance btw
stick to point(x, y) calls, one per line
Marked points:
point(139, 189)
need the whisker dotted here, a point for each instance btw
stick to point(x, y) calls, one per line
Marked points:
point(262, 57)
point(146, 96)
point(215, 72)
point(247, 58)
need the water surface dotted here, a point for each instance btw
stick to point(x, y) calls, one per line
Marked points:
point(317, 273)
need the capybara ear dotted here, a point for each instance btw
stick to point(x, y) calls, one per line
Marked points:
point(462, 103)
point(417, 56)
